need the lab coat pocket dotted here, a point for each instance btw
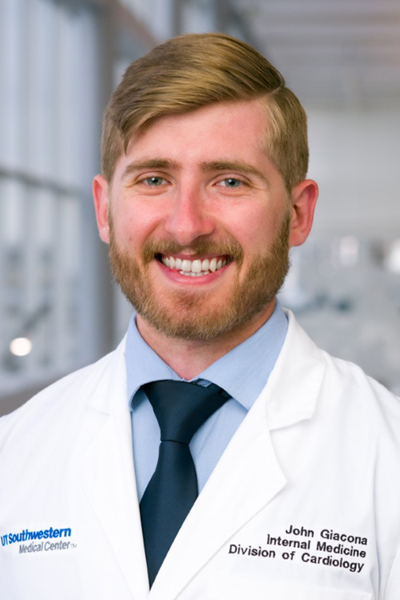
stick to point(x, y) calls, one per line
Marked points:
point(235, 588)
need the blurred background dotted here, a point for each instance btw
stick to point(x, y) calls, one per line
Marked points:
point(60, 61)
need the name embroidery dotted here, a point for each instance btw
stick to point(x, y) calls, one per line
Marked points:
point(329, 548)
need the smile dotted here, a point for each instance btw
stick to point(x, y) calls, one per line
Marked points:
point(195, 268)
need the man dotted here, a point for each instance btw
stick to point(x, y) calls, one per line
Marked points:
point(289, 486)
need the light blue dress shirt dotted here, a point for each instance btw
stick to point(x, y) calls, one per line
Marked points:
point(242, 372)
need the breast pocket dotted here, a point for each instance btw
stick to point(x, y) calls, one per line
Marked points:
point(240, 589)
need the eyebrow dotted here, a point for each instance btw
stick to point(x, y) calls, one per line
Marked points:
point(233, 166)
point(152, 163)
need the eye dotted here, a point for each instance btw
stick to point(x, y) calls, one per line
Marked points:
point(231, 183)
point(154, 181)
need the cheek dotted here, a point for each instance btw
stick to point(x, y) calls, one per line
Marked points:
point(253, 232)
point(132, 227)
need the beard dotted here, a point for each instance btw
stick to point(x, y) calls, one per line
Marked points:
point(193, 314)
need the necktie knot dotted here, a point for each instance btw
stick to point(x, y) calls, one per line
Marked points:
point(181, 407)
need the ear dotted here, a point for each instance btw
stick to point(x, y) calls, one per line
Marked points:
point(304, 199)
point(101, 205)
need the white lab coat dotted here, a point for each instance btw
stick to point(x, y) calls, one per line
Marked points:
point(317, 457)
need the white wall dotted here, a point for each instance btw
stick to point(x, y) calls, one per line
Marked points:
point(355, 157)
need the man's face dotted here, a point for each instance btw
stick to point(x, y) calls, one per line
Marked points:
point(199, 222)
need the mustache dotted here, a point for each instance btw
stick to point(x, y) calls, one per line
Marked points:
point(198, 248)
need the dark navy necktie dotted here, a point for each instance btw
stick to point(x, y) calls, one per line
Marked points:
point(181, 408)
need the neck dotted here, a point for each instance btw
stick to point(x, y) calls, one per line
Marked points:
point(189, 358)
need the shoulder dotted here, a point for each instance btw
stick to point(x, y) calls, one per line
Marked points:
point(345, 375)
point(344, 388)
point(362, 401)
point(64, 399)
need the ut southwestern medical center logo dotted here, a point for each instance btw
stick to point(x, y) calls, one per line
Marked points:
point(39, 540)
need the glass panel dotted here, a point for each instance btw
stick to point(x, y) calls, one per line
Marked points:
point(49, 118)
point(14, 250)
point(13, 88)
point(41, 130)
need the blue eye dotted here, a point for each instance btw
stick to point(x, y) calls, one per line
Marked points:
point(154, 181)
point(231, 182)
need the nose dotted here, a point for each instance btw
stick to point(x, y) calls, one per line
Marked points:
point(189, 218)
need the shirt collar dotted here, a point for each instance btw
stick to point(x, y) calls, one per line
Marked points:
point(243, 372)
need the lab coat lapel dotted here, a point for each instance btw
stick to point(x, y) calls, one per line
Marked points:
point(236, 491)
point(107, 474)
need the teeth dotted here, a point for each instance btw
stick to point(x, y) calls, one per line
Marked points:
point(191, 274)
point(193, 268)
point(196, 266)
point(213, 265)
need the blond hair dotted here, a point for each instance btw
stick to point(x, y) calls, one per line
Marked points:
point(196, 70)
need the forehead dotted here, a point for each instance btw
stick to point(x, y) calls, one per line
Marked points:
point(227, 130)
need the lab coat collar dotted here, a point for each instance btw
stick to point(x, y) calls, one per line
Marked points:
point(109, 392)
point(300, 367)
point(293, 388)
